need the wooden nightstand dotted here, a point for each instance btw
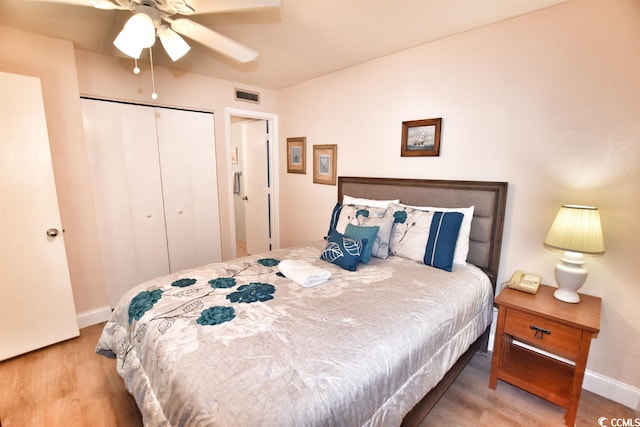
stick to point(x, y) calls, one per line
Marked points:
point(558, 328)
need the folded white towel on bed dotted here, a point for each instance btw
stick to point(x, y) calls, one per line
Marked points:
point(303, 273)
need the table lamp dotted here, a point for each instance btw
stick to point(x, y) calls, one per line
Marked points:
point(577, 231)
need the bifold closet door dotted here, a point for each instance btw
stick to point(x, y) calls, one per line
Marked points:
point(125, 174)
point(155, 188)
point(190, 188)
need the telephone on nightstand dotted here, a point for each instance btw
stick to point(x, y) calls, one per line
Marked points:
point(525, 282)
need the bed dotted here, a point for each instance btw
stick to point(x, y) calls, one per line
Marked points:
point(240, 343)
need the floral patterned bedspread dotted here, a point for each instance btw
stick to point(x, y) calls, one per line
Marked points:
point(238, 344)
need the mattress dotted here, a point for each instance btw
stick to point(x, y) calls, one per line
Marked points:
point(239, 344)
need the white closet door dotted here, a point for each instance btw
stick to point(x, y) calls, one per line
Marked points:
point(124, 163)
point(188, 166)
point(36, 300)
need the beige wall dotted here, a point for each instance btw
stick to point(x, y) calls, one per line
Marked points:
point(66, 74)
point(53, 61)
point(548, 102)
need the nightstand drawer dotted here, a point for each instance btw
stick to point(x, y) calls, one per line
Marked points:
point(543, 333)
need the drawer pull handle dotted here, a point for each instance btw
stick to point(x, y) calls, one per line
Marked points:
point(540, 331)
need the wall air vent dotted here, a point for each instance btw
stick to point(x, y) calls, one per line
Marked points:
point(247, 96)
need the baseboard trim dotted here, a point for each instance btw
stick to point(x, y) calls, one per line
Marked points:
point(93, 317)
point(611, 389)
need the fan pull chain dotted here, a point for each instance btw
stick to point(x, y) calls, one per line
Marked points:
point(136, 69)
point(154, 95)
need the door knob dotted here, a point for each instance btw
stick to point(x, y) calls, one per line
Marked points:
point(52, 232)
point(245, 198)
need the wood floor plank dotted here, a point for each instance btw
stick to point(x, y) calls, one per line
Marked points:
point(470, 402)
point(69, 385)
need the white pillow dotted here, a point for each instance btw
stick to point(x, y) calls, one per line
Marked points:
point(409, 237)
point(462, 244)
point(381, 244)
point(348, 200)
point(349, 215)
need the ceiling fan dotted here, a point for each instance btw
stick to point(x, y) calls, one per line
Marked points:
point(150, 18)
point(153, 18)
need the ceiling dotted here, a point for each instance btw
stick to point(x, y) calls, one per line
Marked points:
point(297, 41)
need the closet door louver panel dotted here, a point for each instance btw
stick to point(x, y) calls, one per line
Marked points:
point(188, 169)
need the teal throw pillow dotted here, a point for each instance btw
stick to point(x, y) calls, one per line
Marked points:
point(343, 251)
point(367, 234)
point(335, 214)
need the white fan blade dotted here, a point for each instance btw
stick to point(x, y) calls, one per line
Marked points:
point(212, 39)
point(209, 6)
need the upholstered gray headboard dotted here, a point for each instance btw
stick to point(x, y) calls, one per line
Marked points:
point(488, 198)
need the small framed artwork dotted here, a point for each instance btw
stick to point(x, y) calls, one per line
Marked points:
point(421, 138)
point(297, 155)
point(325, 158)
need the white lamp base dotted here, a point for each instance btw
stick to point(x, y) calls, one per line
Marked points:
point(570, 276)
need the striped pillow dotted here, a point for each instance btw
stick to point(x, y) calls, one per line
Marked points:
point(443, 235)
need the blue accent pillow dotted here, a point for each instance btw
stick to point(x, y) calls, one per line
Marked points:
point(443, 235)
point(343, 251)
point(367, 234)
point(335, 215)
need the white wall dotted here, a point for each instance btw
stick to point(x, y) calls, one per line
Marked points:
point(548, 101)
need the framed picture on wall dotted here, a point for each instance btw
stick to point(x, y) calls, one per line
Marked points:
point(421, 138)
point(325, 158)
point(297, 155)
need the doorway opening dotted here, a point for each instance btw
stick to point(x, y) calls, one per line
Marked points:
point(252, 142)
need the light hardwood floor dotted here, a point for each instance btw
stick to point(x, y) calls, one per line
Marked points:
point(65, 385)
point(68, 385)
point(470, 402)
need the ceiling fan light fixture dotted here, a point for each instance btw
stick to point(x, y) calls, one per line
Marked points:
point(128, 45)
point(138, 33)
point(173, 44)
point(141, 27)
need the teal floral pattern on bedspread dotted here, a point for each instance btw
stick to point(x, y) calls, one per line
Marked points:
point(197, 301)
point(216, 315)
point(252, 292)
point(142, 302)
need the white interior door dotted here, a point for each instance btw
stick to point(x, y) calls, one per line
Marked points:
point(36, 300)
point(186, 142)
point(125, 177)
point(257, 188)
